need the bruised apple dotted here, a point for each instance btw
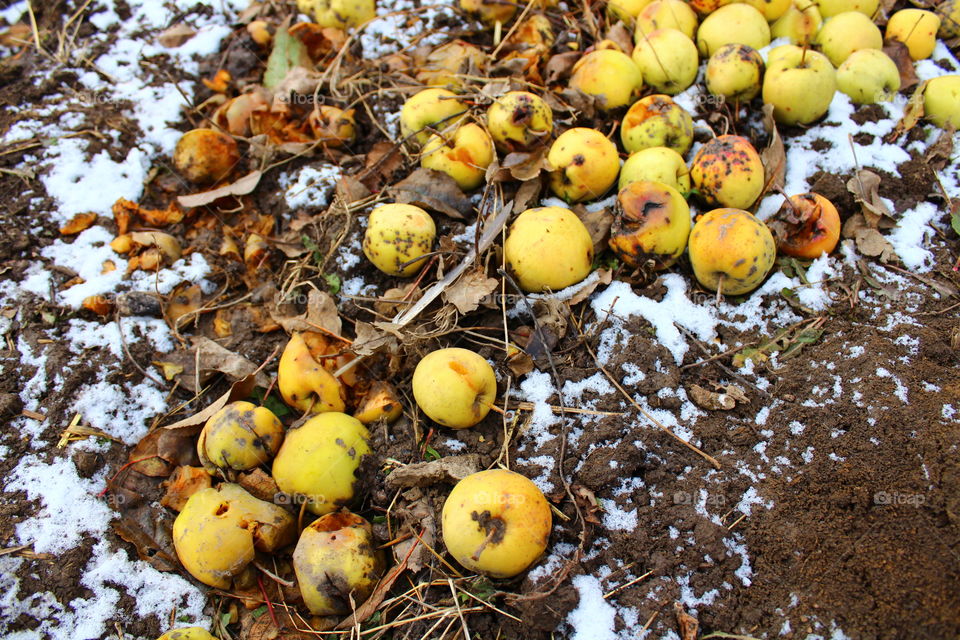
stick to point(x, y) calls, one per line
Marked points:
point(454, 387)
point(496, 522)
point(659, 164)
point(585, 164)
point(548, 248)
point(397, 237)
point(339, 14)
point(727, 171)
point(806, 226)
point(519, 121)
point(657, 121)
point(651, 222)
point(735, 71)
point(240, 436)
point(464, 156)
point(205, 156)
point(731, 251)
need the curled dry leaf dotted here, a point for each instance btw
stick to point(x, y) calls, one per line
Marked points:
point(241, 187)
point(598, 223)
point(900, 55)
point(711, 400)
point(240, 390)
point(450, 469)
point(470, 290)
point(321, 313)
point(560, 66)
point(176, 36)
point(589, 285)
point(371, 339)
point(78, 223)
point(774, 156)
point(911, 115)
point(259, 484)
point(865, 189)
point(213, 359)
point(519, 165)
point(434, 190)
point(870, 242)
point(166, 243)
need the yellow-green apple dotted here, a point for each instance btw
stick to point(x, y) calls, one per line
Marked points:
point(585, 164)
point(304, 383)
point(830, 8)
point(799, 83)
point(916, 28)
point(806, 226)
point(668, 60)
point(651, 222)
point(464, 156)
point(845, 33)
point(626, 10)
point(799, 23)
point(727, 172)
point(731, 251)
point(454, 387)
point(666, 14)
point(548, 248)
point(609, 75)
point(941, 101)
point(496, 522)
point(339, 14)
point(657, 121)
point(735, 71)
point(771, 9)
point(397, 234)
point(659, 164)
point(735, 22)
point(428, 111)
point(519, 121)
point(868, 76)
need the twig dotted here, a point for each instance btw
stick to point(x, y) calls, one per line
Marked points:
point(126, 350)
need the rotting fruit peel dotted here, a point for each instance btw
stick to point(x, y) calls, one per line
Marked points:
point(651, 222)
point(585, 164)
point(727, 172)
point(806, 226)
point(205, 156)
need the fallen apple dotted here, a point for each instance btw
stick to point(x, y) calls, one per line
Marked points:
point(380, 403)
point(240, 436)
point(668, 60)
point(657, 121)
point(731, 251)
point(666, 14)
point(626, 10)
point(548, 248)
point(318, 461)
point(339, 14)
point(651, 221)
point(337, 563)
point(916, 28)
point(659, 164)
point(799, 24)
point(430, 111)
point(733, 23)
point(941, 101)
point(735, 71)
point(772, 10)
point(585, 164)
point(845, 33)
point(806, 226)
point(869, 76)
point(609, 75)
point(830, 8)
point(464, 155)
point(799, 83)
point(496, 522)
point(519, 121)
point(187, 633)
point(727, 171)
point(205, 156)
point(397, 237)
point(454, 387)
point(304, 383)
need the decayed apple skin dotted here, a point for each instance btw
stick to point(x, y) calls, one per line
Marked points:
point(548, 248)
point(304, 383)
point(659, 164)
point(916, 28)
point(735, 71)
point(381, 402)
point(585, 164)
point(657, 121)
point(205, 156)
point(666, 14)
point(727, 171)
point(868, 76)
point(240, 436)
point(396, 235)
point(464, 156)
point(651, 222)
point(732, 250)
point(800, 92)
point(432, 108)
point(737, 22)
point(941, 101)
point(846, 33)
point(220, 529)
point(806, 227)
point(799, 23)
point(454, 387)
point(336, 563)
point(609, 75)
point(319, 459)
point(187, 633)
point(519, 121)
point(496, 522)
point(668, 60)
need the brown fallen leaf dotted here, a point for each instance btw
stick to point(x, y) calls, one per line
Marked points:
point(598, 223)
point(865, 189)
point(911, 115)
point(78, 223)
point(870, 242)
point(240, 390)
point(144, 540)
point(588, 286)
point(432, 190)
point(774, 156)
point(321, 313)
point(371, 339)
point(449, 469)
point(259, 484)
point(686, 623)
point(381, 164)
point(710, 400)
point(183, 483)
point(560, 66)
point(940, 153)
point(160, 452)
point(176, 36)
point(212, 359)
point(900, 55)
point(527, 194)
point(622, 36)
point(470, 290)
point(521, 166)
point(241, 187)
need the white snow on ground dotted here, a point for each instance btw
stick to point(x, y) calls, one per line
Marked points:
point(594, 618)
point(400, 25)
point(312, 187)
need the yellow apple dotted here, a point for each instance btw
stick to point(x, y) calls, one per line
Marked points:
point(735, 71)
point(548, 248)
point(651, 222)
point(428, 111)
point(731, 251)
point(772, 10)
point(941, 101)
point(304, 383)
point(733, 23)
point(668, 60)
point(397, 234)
point(626, 10)
point(519, 121)
point(339, 14)
point(585, 164)
point(666, 14)
point(806, 226)
point(205, 156)
point(657, 121)
point(800, 23)
point(240, 436)
point(187, 633)
point(845, 33)
point(496, 522)
point(727, 171)
point(454, 387)
point(917, 29)
point(464, 157)
point(868, 76)
point(830, 8)
point(658, 164)
point(799, 83)
point(490, 11)
point(609, 75)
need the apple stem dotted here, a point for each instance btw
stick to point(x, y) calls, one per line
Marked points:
point(720, 289)
point(495, 408)
point(803, 53)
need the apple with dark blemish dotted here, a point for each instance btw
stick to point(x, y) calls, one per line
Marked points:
point(496, 522)
point(430, 111)
point(397, 238)
point(727, 171)
point(731, 251)
point(464, 156)
point(806, 226)
point(585, 165)
point(304, 382)
point(205, 156)
point(651, 222)
point(657, 121)
point(454, 387)
point(666, 14)
point(735, 71)
point(519, 121)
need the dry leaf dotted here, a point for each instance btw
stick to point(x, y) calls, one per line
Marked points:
point(774, 156)
point(911, 115)
point(381, 164)
point(527, 194)
point(598, 223)
point(940, 153)
point(321, 313)
point(148, 548)
point(589, 285)
point(560, 66)
point(450, 469)
point(688, 625)
point(468, 292)
point(240, 390)
point(900, 55)
point(869, 241)
point(865, 189)
point(241, 187)
point(433, 190)
point(78, 223)
point(370, 340)
point(213, 359)
point(175, 36)
point(710, 400)
point(259, 484)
